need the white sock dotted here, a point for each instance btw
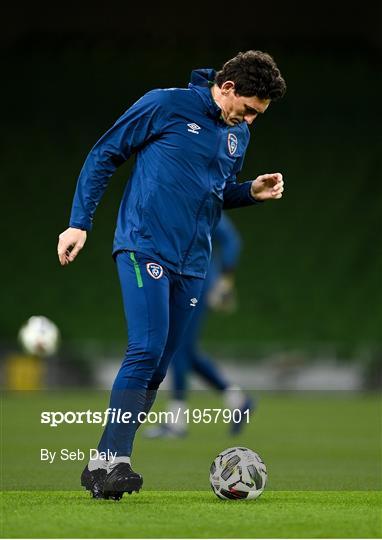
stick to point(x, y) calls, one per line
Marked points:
point(178, 420)
point(234, 397)
point(97, 464)
point(120, 459)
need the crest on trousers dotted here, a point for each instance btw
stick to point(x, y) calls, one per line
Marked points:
point(232, 143)
point(154, 270)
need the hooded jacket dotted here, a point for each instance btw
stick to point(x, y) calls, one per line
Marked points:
point(186, 162)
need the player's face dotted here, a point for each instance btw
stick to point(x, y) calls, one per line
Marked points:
point(236, 109)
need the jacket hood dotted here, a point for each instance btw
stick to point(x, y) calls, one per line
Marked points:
point(201, 82)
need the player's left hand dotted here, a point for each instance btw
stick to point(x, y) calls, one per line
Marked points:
point(268, 186)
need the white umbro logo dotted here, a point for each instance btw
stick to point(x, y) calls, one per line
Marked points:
point(193, 128)
point(193, 302)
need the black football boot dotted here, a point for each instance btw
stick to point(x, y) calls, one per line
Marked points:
point(94, 481)
point(121, 479)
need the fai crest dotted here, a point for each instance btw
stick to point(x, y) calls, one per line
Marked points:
point(232, 143)
point(155, 270)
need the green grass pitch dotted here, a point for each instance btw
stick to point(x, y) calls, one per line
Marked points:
point(322, 450)
point(190, 514)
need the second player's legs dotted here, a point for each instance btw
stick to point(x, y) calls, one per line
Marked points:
point(185, 293)
point(189, 357)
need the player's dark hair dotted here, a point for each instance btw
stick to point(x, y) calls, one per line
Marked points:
point(255, 74)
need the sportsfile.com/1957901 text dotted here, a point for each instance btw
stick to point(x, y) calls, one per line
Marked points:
point(113, 415)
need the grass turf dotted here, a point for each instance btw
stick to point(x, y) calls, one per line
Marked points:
point(313, 441)
point(193, 514)
point(323, 453)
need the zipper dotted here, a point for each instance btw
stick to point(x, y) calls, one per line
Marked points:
point(194, 235)
point(203, 201)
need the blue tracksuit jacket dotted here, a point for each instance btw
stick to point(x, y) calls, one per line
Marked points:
point(186, 162)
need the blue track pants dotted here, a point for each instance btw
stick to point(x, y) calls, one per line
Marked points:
point(158, 305)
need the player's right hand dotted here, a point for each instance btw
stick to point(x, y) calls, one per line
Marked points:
point(70, 243)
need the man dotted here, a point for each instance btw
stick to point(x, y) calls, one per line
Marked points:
point(189, 145)
point(218, 294)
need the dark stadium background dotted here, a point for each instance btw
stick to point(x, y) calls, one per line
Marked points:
point(309, 281)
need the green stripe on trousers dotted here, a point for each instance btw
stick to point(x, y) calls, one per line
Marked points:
point(137, 270)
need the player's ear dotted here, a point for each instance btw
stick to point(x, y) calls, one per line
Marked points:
point(227, 87)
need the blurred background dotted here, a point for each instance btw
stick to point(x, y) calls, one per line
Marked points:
point(308, 284)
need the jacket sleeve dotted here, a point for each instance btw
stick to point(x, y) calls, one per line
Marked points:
point(137, 126)
point(236, 195)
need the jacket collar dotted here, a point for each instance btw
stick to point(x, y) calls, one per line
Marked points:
point(201, 82)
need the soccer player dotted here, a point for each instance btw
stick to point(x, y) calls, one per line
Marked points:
point(189, 145)
point(218, 294)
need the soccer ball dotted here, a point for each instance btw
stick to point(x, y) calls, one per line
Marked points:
point(238, 473)
point(39, 336)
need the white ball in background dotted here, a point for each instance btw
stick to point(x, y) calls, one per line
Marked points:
point(39, 336)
